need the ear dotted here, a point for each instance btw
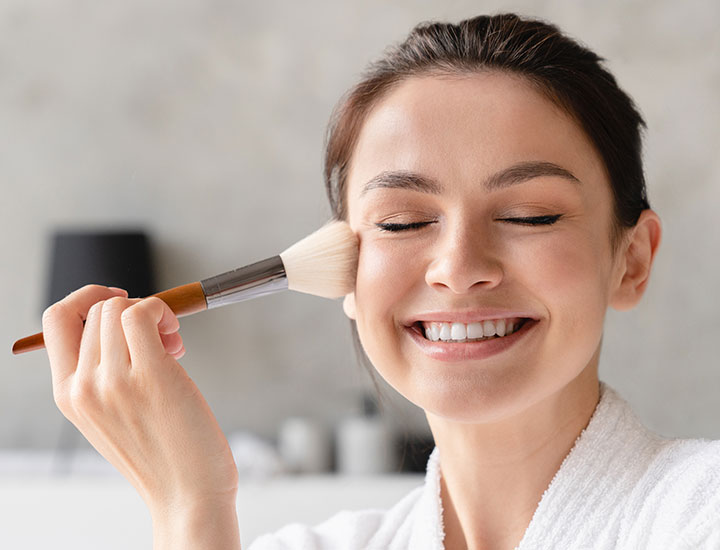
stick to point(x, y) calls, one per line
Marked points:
point(636, 262)
point(349, 305)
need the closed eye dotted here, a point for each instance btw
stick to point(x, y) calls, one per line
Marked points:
point(535, 220)
point(402, 226)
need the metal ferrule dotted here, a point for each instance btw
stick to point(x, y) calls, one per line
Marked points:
point(264, 277)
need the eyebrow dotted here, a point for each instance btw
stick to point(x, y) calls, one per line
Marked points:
point(513, 175)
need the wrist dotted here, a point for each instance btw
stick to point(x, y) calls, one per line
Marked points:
point(193, 524)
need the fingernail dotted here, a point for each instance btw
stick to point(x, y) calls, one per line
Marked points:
point(118, 290)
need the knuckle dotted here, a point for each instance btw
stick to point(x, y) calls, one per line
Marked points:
point(96, 308)
point(48, 315)
point(151, 303)
point(62, 400)
point(83, 395)
point(56, 310)
point(116, 303)
point(139, 309)
point(130, 315)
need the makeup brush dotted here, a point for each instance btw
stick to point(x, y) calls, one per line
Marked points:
point(324, 264)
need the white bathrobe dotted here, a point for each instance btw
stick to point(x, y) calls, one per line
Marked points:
point(620, 487)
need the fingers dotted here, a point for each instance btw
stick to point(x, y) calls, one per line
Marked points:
point(63, 327)
point(89, 355)
point(145, 324)
point(113, 345)
point(116, 331)
point(173, 344)
point(113, 340)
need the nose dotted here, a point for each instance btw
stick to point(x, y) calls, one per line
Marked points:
point(464, 259)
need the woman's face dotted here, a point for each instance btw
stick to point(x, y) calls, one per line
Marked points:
point(476, 199)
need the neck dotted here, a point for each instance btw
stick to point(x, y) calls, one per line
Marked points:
point(494, 475)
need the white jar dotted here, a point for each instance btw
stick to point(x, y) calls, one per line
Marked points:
point(304, 446)
point(365, 446)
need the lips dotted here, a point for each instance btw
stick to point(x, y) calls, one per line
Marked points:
point(450, 351)
point(469, 316)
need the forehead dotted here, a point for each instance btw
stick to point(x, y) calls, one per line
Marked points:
point(460, 129)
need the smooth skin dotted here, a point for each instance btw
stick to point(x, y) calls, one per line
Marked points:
point(503, 424)
point(118, 381)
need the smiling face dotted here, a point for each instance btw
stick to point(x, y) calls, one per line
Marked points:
point(444, 176)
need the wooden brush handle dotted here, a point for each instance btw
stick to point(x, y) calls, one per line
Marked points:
point(183, 300)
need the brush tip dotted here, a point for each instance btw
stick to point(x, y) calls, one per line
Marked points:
point(324, 263)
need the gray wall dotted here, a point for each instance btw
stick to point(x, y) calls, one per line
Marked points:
point(203, 122)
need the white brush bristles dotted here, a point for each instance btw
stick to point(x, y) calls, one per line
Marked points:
point(324, 263)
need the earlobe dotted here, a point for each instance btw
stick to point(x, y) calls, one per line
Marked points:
point(638, 256)
point(349, 305)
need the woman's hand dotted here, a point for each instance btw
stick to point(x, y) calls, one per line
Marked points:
point(118, 381)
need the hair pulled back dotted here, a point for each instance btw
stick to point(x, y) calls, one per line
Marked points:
point(569, 74)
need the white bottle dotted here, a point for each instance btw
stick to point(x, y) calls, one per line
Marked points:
point(304, 446)
point(365, 444)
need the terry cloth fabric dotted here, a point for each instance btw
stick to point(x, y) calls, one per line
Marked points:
point(620, 487)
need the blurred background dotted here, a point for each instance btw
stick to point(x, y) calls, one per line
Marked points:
point(201, 125)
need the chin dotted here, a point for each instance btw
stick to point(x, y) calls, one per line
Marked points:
point(474, 400)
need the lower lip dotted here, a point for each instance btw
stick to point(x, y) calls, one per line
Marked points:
point(468, 351)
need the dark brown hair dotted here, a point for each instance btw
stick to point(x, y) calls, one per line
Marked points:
point(568, 73)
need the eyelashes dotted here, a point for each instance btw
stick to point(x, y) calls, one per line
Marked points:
point(401, 226)
point(529, 221)
point(536, 220)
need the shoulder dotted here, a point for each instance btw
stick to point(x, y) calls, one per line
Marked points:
point(689, 462)
point(346, 530)
point(685, 475)
point(682, 495)
point(623, 486)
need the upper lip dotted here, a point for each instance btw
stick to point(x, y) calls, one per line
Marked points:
point(469, 316)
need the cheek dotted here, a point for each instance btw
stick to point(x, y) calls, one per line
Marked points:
point(572, 275)
point(386, 270)
point(387, 274)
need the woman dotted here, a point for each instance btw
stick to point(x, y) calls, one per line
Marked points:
point(492, 171)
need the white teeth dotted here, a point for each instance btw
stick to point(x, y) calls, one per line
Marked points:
point(459, 332)
point(475, 330)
